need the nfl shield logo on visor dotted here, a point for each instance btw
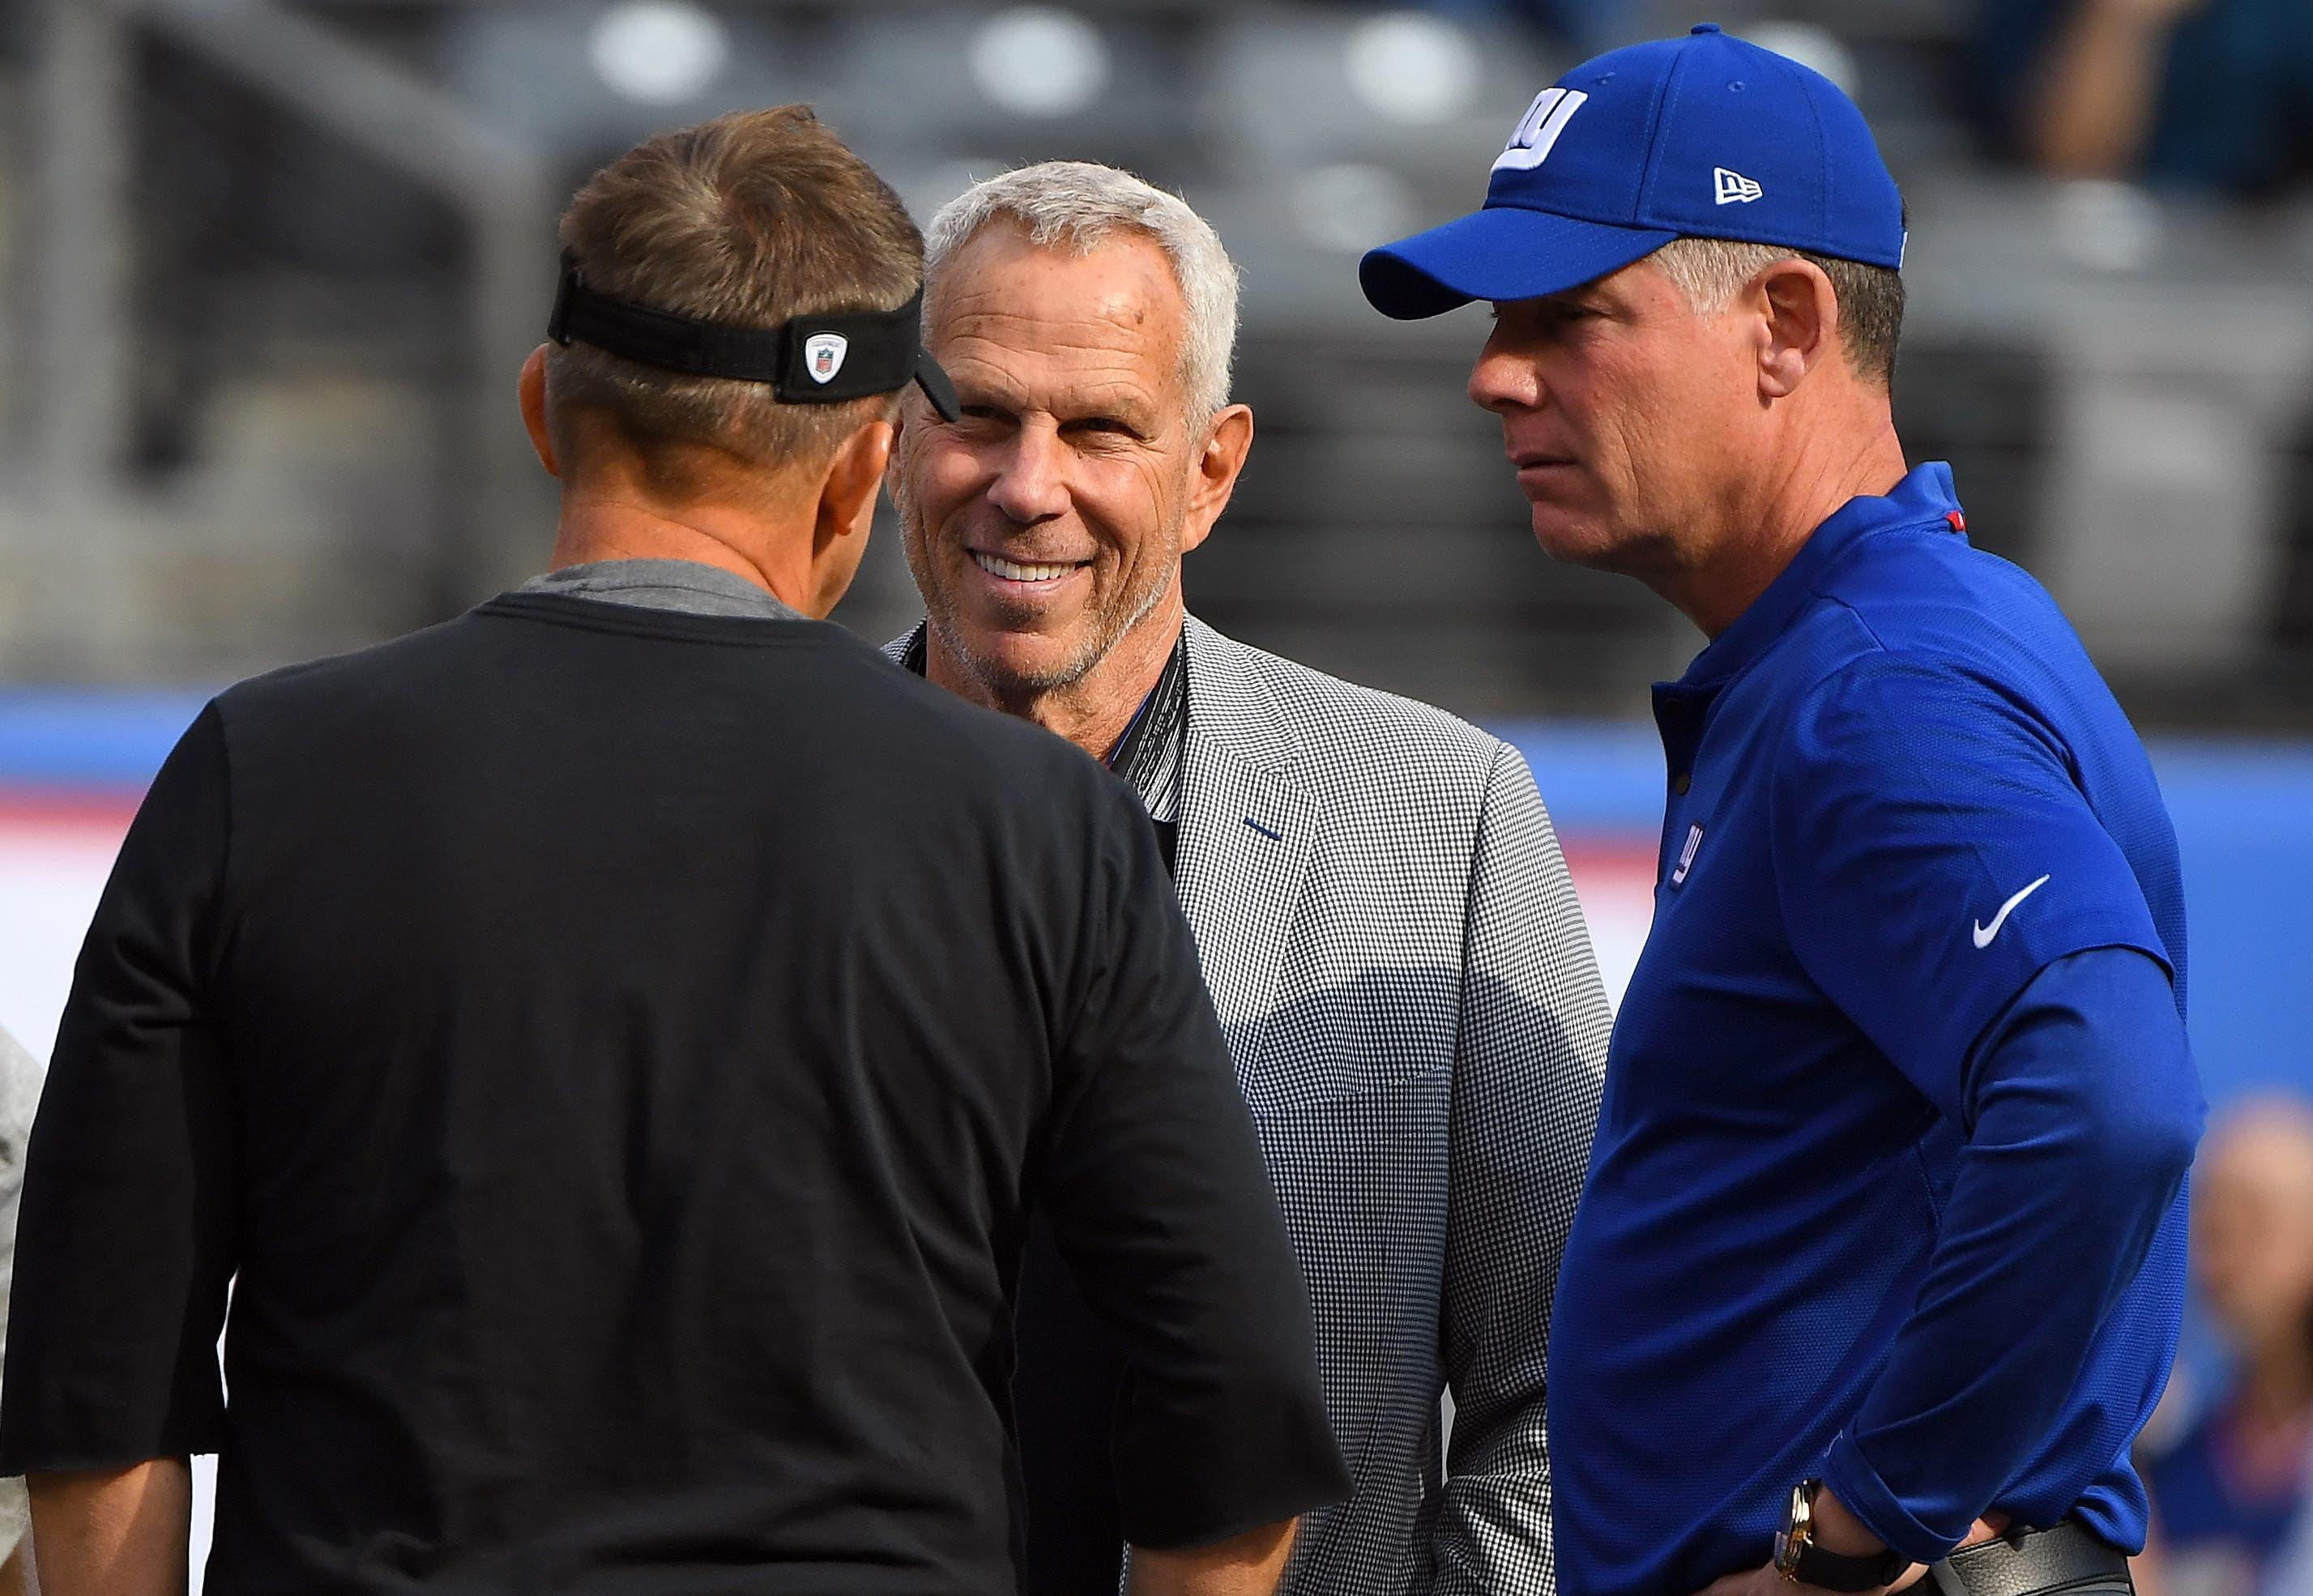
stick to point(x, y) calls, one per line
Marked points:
point(823, 355)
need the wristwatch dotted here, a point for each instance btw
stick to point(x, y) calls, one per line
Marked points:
point(1799, 1560)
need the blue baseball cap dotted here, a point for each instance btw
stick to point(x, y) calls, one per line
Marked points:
point(1705, 137)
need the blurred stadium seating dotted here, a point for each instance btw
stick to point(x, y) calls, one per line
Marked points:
point(272, 262)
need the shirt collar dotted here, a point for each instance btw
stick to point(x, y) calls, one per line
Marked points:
point(1148, 755)
point(688, 586)
point(1924, 498)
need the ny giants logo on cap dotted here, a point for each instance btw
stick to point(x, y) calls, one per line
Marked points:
point(1537, 132)
point(823, 353)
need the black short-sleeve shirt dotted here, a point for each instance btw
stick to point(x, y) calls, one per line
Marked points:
point(612, 1054)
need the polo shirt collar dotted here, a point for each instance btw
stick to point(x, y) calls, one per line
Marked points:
point(1923, 497)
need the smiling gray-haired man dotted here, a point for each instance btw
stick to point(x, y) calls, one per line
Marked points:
point(1384, 917)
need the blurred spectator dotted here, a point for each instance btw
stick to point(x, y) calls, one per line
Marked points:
point(2224, 1497)
point(2208, 95)
point(2292, 1574)
point(1585, 25)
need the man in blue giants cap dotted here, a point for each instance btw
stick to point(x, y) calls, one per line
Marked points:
point(1880, 1253)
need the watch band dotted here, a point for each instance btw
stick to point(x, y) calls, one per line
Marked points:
point(1831, 1571)
point(1799, 1560)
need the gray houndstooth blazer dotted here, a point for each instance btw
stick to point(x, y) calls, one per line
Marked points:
point(1417, 1022)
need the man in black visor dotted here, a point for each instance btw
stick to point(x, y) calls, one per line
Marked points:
point(610, 1041)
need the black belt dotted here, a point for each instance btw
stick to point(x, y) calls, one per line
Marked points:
point(2068, 1560)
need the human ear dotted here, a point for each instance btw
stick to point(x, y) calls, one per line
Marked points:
point(900, 416)
point(845, 511)
point(530, 390)
point(1214, 471)
point(901, 432)
point(846, 495)
point(1798, 325)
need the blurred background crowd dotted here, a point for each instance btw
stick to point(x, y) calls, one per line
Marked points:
point(270, 267)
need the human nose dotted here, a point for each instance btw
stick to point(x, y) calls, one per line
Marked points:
point(1503, 381)
point(1031, 483)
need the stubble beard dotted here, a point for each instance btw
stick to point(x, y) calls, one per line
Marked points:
point(1007, 686)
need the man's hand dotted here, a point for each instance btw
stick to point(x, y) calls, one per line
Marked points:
point(112, 1532)
point(2100, 86)
point(1247, 1564)
point(2155, 13)
point(1838, 1530)
point(1770, 1582)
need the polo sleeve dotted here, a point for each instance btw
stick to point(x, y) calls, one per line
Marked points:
point(124, 1241)
point(1932, 854)
point(2059, 1261)
point(1161, 1206)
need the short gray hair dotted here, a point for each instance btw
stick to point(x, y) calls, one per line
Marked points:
point(1710, 271)
point(1080, 205)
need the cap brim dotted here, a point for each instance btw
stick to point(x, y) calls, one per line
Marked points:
point(1499, 253)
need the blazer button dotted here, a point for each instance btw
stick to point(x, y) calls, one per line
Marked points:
point(1681, 783)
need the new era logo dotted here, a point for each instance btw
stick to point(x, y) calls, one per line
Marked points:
point(1735, 188)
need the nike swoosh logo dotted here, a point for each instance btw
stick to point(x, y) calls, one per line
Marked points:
point(1984, 933)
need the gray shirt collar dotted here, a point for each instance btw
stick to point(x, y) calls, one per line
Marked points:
point(684, 585)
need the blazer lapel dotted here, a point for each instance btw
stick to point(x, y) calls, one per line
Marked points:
point(1247, 822)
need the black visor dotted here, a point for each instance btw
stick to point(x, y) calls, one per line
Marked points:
point(810, 360)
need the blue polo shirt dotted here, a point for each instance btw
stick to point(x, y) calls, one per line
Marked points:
point(1888, 1184)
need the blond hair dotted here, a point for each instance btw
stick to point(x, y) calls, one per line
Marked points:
point(1710, 271)
point(749, 220)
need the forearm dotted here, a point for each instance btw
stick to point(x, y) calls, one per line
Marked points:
point(114, 1533)
point(1247, 1564)
point(2086, 1109)
point(2098, 93)
point(1836, 1529)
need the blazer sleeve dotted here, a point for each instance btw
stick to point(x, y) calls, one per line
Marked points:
point(1529, 1064)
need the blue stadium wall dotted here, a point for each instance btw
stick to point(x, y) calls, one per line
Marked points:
point(2244, 814)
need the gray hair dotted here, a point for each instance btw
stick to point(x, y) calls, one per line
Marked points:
point(1080, 205)
point(1710, 271)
